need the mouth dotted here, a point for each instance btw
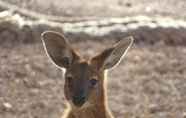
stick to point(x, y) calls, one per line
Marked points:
point(78, 102)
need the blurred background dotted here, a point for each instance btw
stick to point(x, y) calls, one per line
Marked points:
point(149, 83)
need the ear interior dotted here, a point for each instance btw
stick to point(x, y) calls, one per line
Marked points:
point(112, 56)
point(58, 49)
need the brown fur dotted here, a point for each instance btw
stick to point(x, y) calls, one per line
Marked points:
point(85, 82)
point(98, 110)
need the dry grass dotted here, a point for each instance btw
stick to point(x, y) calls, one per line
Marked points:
point(105, 7)
point(149, 83)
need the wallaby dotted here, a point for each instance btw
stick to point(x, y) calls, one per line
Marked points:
point(85, 80)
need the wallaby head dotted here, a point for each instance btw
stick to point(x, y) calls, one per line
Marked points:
point(84, 80)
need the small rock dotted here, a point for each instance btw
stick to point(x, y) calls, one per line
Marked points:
point(7, 105)
point(184, 114)
point(154, 108)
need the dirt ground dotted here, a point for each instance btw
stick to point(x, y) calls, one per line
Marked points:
point(105, 8)
point(149, 83)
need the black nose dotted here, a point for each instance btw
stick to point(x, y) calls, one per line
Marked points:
point(79, 100)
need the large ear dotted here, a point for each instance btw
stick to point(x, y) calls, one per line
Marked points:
point(112, 56)
point(58, 49)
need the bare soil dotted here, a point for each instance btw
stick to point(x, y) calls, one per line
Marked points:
point(105, 8)
point(149, 83)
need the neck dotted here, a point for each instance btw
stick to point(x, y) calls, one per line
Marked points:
point(97, 110)
point(93, 111)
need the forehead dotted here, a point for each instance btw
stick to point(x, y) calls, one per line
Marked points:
point(81, 69)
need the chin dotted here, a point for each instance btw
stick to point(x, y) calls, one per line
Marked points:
point(86, 105)
point(82, 106)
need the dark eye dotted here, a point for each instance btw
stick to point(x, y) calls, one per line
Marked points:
point(69, 78)
point(93, 82)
